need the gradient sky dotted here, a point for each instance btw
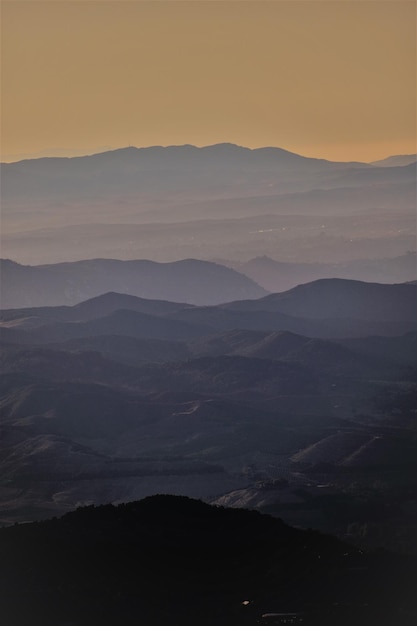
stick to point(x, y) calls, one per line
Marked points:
point(333, 79)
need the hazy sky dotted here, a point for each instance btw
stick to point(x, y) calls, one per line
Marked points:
point(333, 79)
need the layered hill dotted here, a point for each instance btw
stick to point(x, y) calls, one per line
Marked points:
point(221, 201)
point(129, 170)
point(324, 308)
point(191, 281)
point(336, 298)
point(278, 276)
point(395, 160)
point(164, 558)
point(120, 397)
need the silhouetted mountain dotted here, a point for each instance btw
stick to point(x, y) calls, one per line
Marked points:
point(191, 281)
point(279, 276)
point(337, 298)
point(108, 303)
point(56, 209)
point(326, 308)
point(128, 170)
point(176, 560)
point(100, 306)
point(394, 161)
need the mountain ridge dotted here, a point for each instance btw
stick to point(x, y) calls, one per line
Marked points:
point(222, 148)
point(332, 297)
point(179, 186)
point(161, 559)
point(324, 308)
point(190, 280)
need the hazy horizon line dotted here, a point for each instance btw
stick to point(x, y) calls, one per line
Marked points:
point(71, 153)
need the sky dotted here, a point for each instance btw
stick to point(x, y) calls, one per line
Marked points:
point(331, 79)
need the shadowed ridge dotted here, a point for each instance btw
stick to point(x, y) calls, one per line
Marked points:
point(339, 298)
point(218, 149)
point(112, 301)
point(172, 560)
point(190, 280)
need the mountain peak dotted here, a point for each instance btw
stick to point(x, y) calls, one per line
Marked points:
point(397, 160)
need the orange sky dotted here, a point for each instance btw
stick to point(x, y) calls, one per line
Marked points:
point(333, 79)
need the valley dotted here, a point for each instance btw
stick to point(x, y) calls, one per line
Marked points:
point(226, 327)
point(119, 397)
point(208, 313)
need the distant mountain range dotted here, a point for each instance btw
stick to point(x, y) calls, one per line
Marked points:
point(324, 308)
point(112, 205)
point(192, 281)
point(289, 385)
point(189, 281)
point(128, 170)
point(219, 171)
point(278, 276)
point(396, 160)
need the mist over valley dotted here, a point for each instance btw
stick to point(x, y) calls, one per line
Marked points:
point(230, 325)
point(219, 202)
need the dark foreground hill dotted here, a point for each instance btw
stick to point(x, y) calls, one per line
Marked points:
point(172, 560)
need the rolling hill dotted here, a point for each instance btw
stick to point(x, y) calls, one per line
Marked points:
point(164, 558)
point(338, 298)
point(119, 397)
point(214, 202)
point(276, 276)
point(191, 281)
